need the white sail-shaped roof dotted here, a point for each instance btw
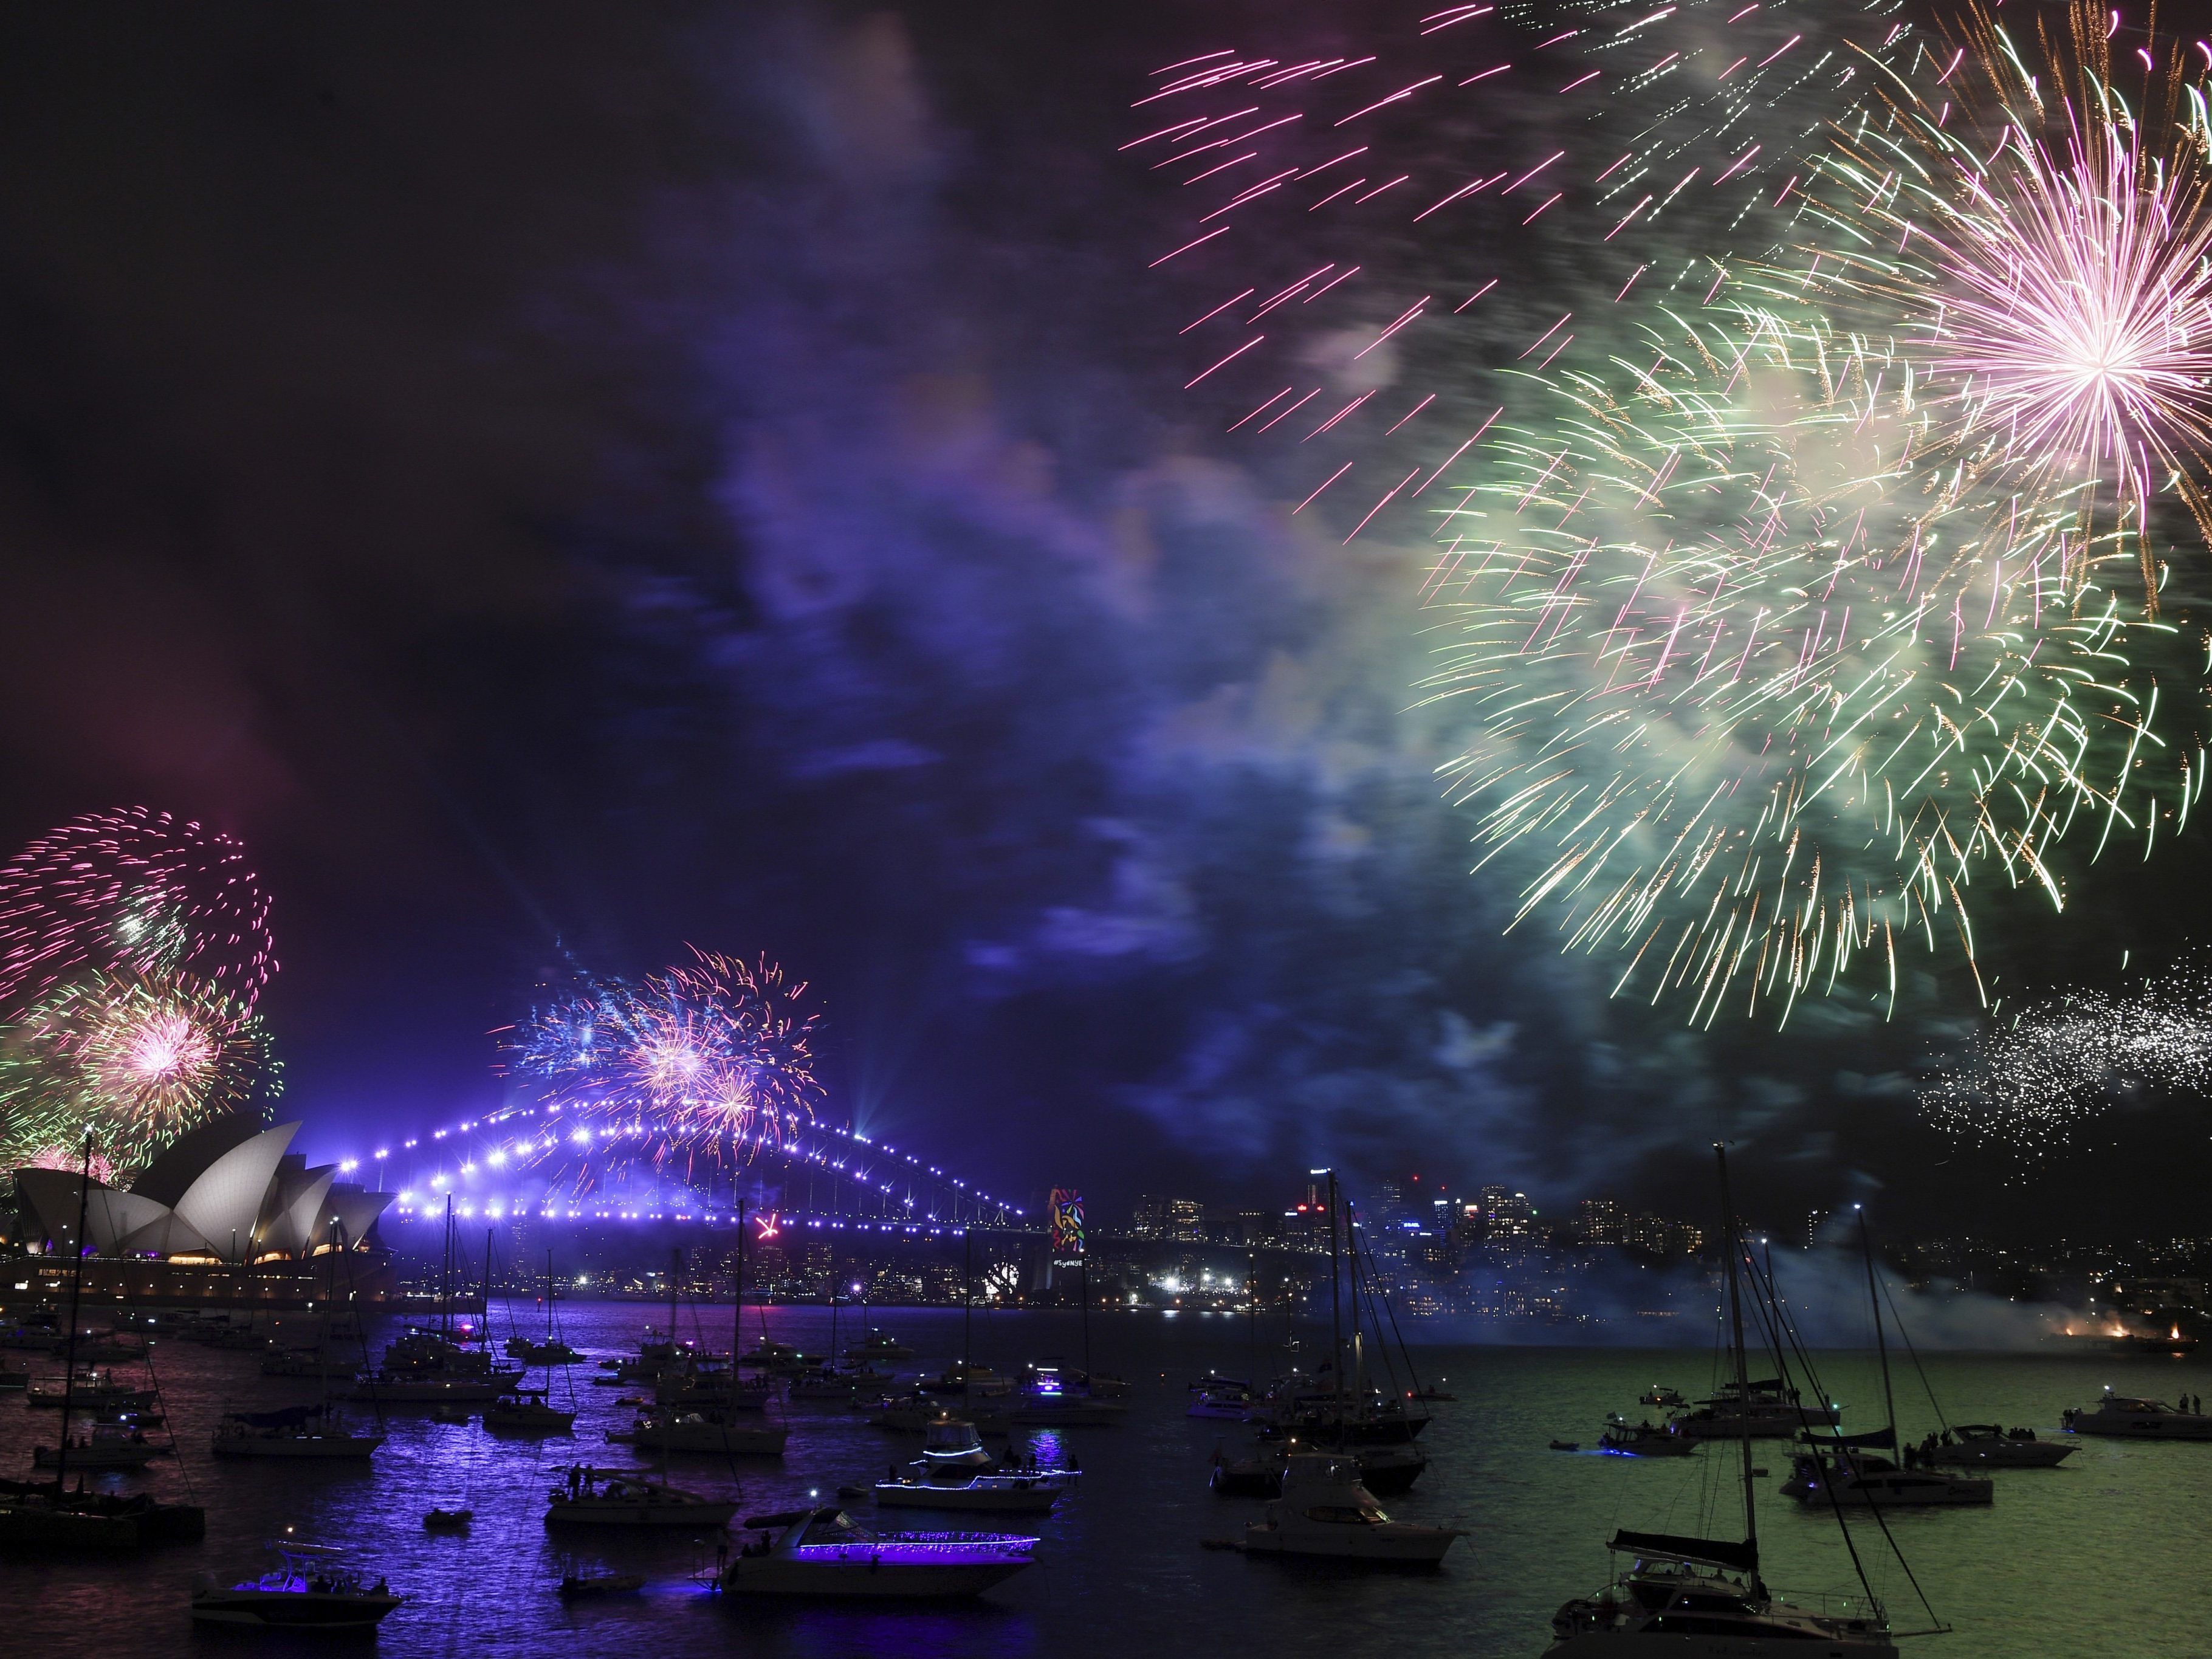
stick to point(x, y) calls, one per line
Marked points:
point(299, 1208)
point(225, 1202)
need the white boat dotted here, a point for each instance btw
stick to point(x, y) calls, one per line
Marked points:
point(527, 1411)
point(1220, 1397)
point(951, 1442)
point(1325, 1511)
point(1849, 1475)
point(914, 1413)
point(109, 1446)
point(407, 1388)
point(1988, 1446)
point(2127, 1418)
point(993, 1494)
point(629, 1500)
point(702, 1432)
point(1765, 1410)
point(826, 1553)
point(89, 1390)
point(311, 1589)
point(1696, 1598)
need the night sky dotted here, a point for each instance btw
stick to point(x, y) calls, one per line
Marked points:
point(565, 482)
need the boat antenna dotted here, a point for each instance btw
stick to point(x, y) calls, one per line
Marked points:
point(77, 1290)
point(1880, 1344)
point(1742, 1373)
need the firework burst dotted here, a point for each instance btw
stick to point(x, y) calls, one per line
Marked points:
point(132, 1063)
point(133, 893)
point(704, 1063)
point(2029, 1085)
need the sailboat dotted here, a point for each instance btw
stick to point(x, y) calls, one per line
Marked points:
point(1702, 1598)
point(1842, 1470)
point(549, 1350)
point(303, 1431)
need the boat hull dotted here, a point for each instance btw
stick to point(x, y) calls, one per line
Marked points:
point(1611, 1644)
point(2003, 1455)
point(298, 1446)
point(291, 1610)
point(2141, 1429)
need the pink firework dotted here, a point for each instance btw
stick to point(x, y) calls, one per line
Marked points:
point(133, 892)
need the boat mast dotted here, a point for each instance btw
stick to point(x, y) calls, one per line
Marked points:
point(1881, 1346)
point(738, 1308)
point(77, 1290)
point(833, 1306)
point(548, 1296)
point(1742, 1374)
point(445, 1275)
point(967, 1307)
point(1335, 1304)
point(486, 1293)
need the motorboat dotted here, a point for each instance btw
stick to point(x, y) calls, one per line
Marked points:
point(582, 1586)
point(444, 1520)
point(1231, 1402)
point(110, 1445)
point(825, 1383)
point(712, 1382)
point(1767, 1410)
point(1325, 1511)
point(30, 1338)
point(1696, 1598)
point(1385, 1470)
point(419, 1388)
point(629, 1500)
point(1033, 1493)
point(971, 1382)
point(1644, 1439)
point(13, 1378)
point(527, 1411)
point(311, 1589)
point(294, 1432)
point(875, 1346)
point(951, 1442)
point(39, 1515)
point(914, 1413)
point(2126, 1417)
point(552, 1352)
point(779, 1358)
point(1848, 1475)
point(707, 1430)
point(306, 1362)
point(89, 1390)
point(825, 1552)
point(1988, 1446)
point(1663, 1396)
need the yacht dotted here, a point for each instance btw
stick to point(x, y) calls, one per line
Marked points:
point(930, 1487)
point(780, 1358)
point(1661, 1395)
point(2127, 1418)
point(876, 1346)
point(951, 1442)
point(111, 1445)
point(1644, 1439)
point(1046, 1400)
point(1701, 1598)
point(1386, 1470)
point(826, 1553)
point(527, 1411)
point(89, 1389)
point(971, 1382)
point(914, 1413)
point(825, 1383)
point(311, 1589)
point(630, 1500)
point(1220, 1398)
point(1987, 1446)
point(1768, 1409)
point(712, 1382)
point(306, 1362)
point(1325, 1511)
point(709, 1430)
point(1847, 1474)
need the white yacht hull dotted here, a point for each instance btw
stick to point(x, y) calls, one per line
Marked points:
point(2003, 1455)
point(2178, 1428)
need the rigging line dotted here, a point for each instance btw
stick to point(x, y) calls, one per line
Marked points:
point(1888, 1295)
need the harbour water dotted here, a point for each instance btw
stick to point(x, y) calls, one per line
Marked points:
point(2105, 1554)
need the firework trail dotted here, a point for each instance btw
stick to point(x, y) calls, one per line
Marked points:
point(704, 1063)
point(1381, 234)
point(2029, 1085)
point(1782, 607)
point(135, 893)
point(132, 1063)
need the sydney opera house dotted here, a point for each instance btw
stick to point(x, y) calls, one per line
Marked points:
point(228, 1215)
